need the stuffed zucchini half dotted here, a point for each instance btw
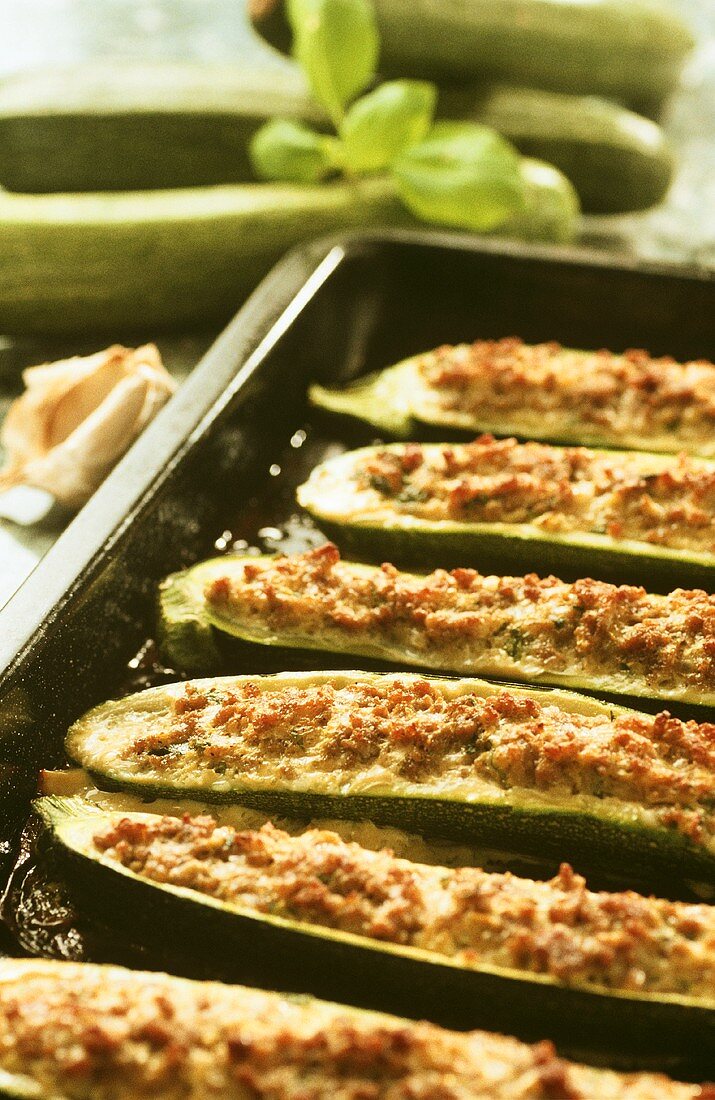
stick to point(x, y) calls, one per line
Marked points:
point(551, 774)
point(586, 635)
point(80, 1031)
point(499, 502)
point(351, 918)
point(542, 391)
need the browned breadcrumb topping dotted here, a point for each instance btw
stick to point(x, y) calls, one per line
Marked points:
point(406, 728)
point(101, 1033)
point(609, 394)
point(464, 622)
point(558, 489)
point(559, 928)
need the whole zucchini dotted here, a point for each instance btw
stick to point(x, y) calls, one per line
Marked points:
point(336, 917)
point(551, 774)
point(131, 127)
point(109, 261)
point(629, 401)
point(79, 1030)
point(103, 262)
point(587, 635)
point(632, 51)
point(498, 503)
point(617, 160)
point(551, 206)
point(107, 128)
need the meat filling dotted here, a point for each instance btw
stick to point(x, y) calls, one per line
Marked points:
point(614, 395)
point(559, 928)
point(464, 622)
point(559, 490)
point(88, 1032)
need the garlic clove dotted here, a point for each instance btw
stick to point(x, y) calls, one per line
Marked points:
point(78, 416)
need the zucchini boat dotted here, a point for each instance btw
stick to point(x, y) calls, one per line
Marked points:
point(616, 640)
point(551, 774)
point(350, 917)
point(79, 1030)
point(542, 391)
point(500, 503)
point(630, 51)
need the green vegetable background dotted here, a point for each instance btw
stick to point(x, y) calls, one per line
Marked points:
point(389, 114)
point(458, 174)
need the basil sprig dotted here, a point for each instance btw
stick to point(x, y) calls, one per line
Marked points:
point(292, 152)
point(458, 174)
point(462, 174)
point(383, 124)
point(336, 43)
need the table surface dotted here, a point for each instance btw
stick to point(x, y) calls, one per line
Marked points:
point(37, 33)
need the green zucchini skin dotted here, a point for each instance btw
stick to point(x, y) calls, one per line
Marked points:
point(369, 973)
point(185, 637)
point(632, 51)
point(551, 206)
point(381, 400)
point(108, 262)
point(168, 126)
point(498, 547)
point(117, 261)
point(594, 839)
point(134, 127)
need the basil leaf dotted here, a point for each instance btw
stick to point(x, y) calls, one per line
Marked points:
point(291, 152)
point(336, 42)
point(381, 125)
point(463, 175)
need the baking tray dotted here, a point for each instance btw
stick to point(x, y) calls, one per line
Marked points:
point(217, 471)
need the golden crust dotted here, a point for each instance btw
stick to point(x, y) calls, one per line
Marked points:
point(558, 489)
point(101, 1033)
point(629, 395)
point(619, 940)
point(456, 619)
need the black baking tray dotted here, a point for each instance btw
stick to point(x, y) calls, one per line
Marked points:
point(217, 470)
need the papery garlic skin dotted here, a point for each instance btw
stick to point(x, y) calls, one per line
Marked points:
point(78, 416)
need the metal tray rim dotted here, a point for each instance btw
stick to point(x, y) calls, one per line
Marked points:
point(215, 381)
point(149, 462)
